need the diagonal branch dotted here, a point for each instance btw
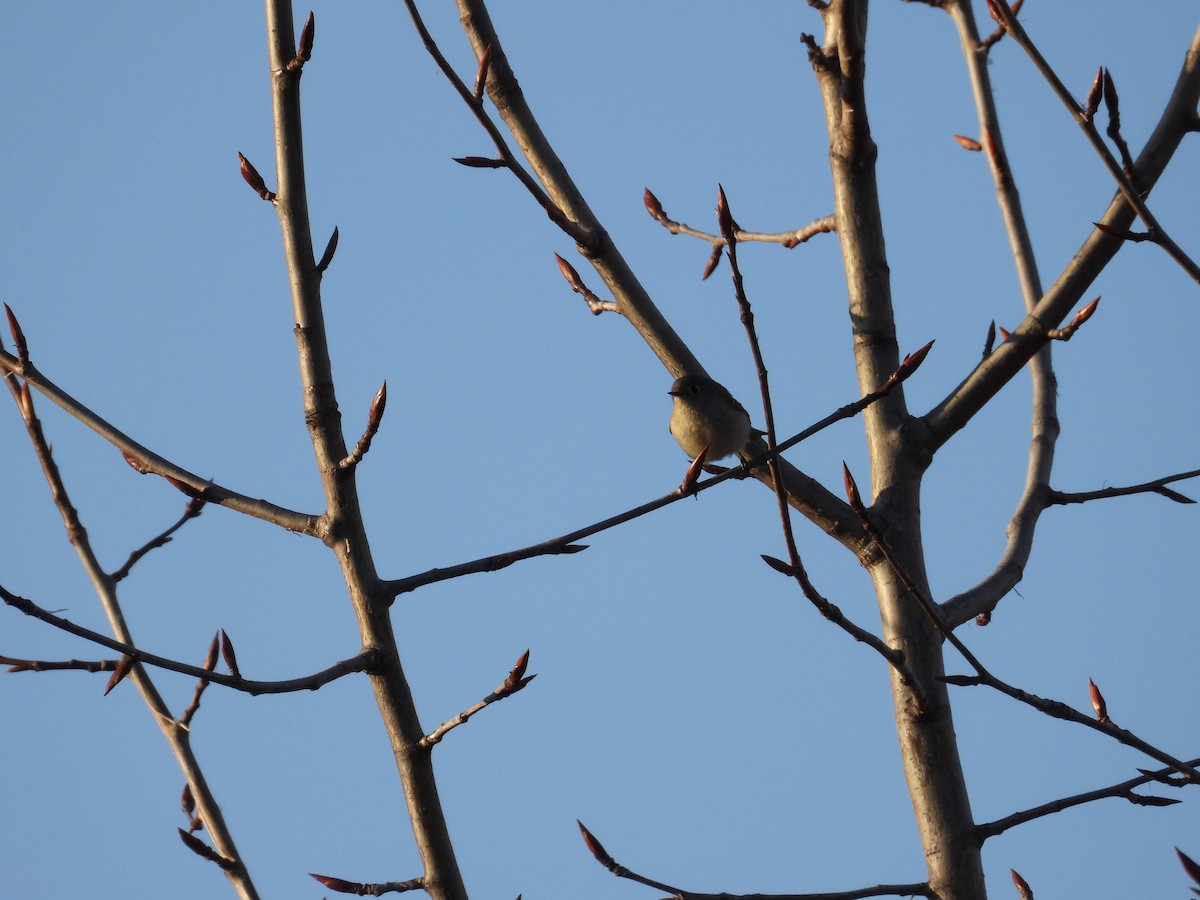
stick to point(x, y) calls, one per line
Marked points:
point(361, 662)
point(1131, 192)
point(1158, 486)
point(1123, 790)
point(151, 462)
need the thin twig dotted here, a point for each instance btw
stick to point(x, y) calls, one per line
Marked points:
point(194, 507)
point(1124, 182)
point(1123, 790)
point(361, 662)
point(1053, 708)
point(1158, 486)
point(515, 681)
point(150, 462)
point(831, 612)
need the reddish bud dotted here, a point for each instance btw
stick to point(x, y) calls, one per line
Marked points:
point(569, 273)
point(725, 223)
point(968, 143)
point(204, 851)
point(124, 664)
point(1112, 102)
point(1004, 332)
point(1092, 103)
point(594, 846)
point(653, 206)
point(779, 565)
point(182, 486)
point(18, 335)
point(378, 405)
point(307, 34)
point(1189, 865)
point(134, 463)
point(480, 162)
point(994, 12)
point(229, 655)
point(210, 658)
point(519, 669)
point(851, 489)
point(481, 73)
point(338, 884)
point(252, 178)
point(1098, 703)
point(1086, 313)
point(714, 260)
point(983, 619)
point(187, 802)
point(330, 249)
point(26, 402)
point(1023, 887)
point(912, 362)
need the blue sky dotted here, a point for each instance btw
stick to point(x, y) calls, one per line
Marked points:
point(690, 707)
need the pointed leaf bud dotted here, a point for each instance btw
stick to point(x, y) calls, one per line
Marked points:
point(229, 655)
point(968, 143)
point(134, 463)
point(17, 334)
point(378, 405)
point(330, 249)
point(187, 802)
point(725, 223)
point(252, 178)
point(1098, 703)
point(481, 73)
point(480, 162)
point(778, 565)
point(124, 664)
point(1190, 866)
point(595, 847)
point(653, 206)
point(1112, 102)
point(1022, 886)
point(1004, 332)
point(210, 658)
point(307, 34)
point(1092, 103)
point(569, 273)
point(851, 489)
point(714, 260)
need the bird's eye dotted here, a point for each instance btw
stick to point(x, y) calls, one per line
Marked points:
point(693, 389)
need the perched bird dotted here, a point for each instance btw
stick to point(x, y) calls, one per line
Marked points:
point(707, 417)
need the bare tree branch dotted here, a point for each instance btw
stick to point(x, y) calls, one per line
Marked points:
point(1123, 790)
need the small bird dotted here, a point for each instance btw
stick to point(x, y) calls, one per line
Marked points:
point(707, 417)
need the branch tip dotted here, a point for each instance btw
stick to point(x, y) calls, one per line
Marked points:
point(1023, 888)
point(1098, 703)
point(653, 206)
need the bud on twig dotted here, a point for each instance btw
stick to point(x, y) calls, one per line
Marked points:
point(725, 223)
point(779, 565)
point(653, 206)
point(1098, 703)
point(481, 73)
point(210, 658)
point(134, 463)
point(480, 162)
point(330, 249)
point(851, 489)
point(595, 847)
point(204, 851)
point(304, 51)
point(1023, 887)
point(123, 667)
point(1092, 103)
point(569, 273)
point(18, 335)
point(1190, 866)
point(229, 655)
point(186, 801)
point(252, 178)
point(714, 260)
point(990, 341)
point(968, 143)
